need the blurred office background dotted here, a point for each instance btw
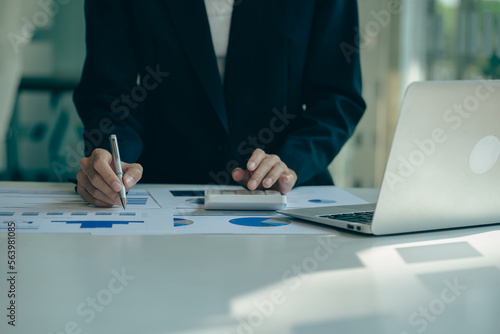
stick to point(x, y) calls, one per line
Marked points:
point(42, 51)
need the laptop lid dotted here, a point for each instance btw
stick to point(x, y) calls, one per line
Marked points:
point(443, 169)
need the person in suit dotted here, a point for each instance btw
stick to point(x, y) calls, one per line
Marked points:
point(261, 93)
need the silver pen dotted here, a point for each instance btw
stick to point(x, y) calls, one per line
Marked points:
point(118, 168)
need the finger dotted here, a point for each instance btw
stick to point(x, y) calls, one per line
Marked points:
point(241, 176)
point(97, 182)
point(84, 163)
point(276, 172)
point(238, 174)
point(86, 196)
point(262, 170)
point(95, 193)
point(286, 182)
point(133, 173)
point(257, 156)
point(101, 162)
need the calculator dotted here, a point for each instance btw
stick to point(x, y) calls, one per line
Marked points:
point(244, 200)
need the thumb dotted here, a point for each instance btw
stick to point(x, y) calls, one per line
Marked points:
point(287, 181)
point(132, 174)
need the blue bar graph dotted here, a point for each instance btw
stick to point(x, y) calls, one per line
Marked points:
point(98, 223)
point(137, 201)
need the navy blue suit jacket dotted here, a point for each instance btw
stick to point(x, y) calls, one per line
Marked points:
point(151, 77)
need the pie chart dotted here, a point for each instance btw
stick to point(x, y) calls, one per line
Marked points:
point(259, 222)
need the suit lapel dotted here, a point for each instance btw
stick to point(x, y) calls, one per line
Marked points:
point(191, 22)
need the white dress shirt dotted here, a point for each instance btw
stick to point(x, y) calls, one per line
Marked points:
point(219, 16)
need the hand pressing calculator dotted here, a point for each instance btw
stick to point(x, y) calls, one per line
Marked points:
point(244, 200)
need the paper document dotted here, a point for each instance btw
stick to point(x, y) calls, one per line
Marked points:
point(192, 196)
point(318, 196)
point(49, 208)
point(191, 218)
point(155, 209)
point(65, 198)
point(104, 222)
point(255, 224)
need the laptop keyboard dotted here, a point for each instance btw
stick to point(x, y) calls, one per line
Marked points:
point(365, 217)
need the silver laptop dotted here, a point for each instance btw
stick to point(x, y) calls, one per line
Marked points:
point(443, 170)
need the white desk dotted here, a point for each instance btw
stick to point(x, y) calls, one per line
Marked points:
point(344, 283)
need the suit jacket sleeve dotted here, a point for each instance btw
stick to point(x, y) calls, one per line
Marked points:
point(331, 91)
point(109, 76)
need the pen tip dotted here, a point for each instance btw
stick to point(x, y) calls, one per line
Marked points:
point(124, 204)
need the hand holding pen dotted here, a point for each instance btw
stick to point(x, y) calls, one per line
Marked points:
point(98, 183)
